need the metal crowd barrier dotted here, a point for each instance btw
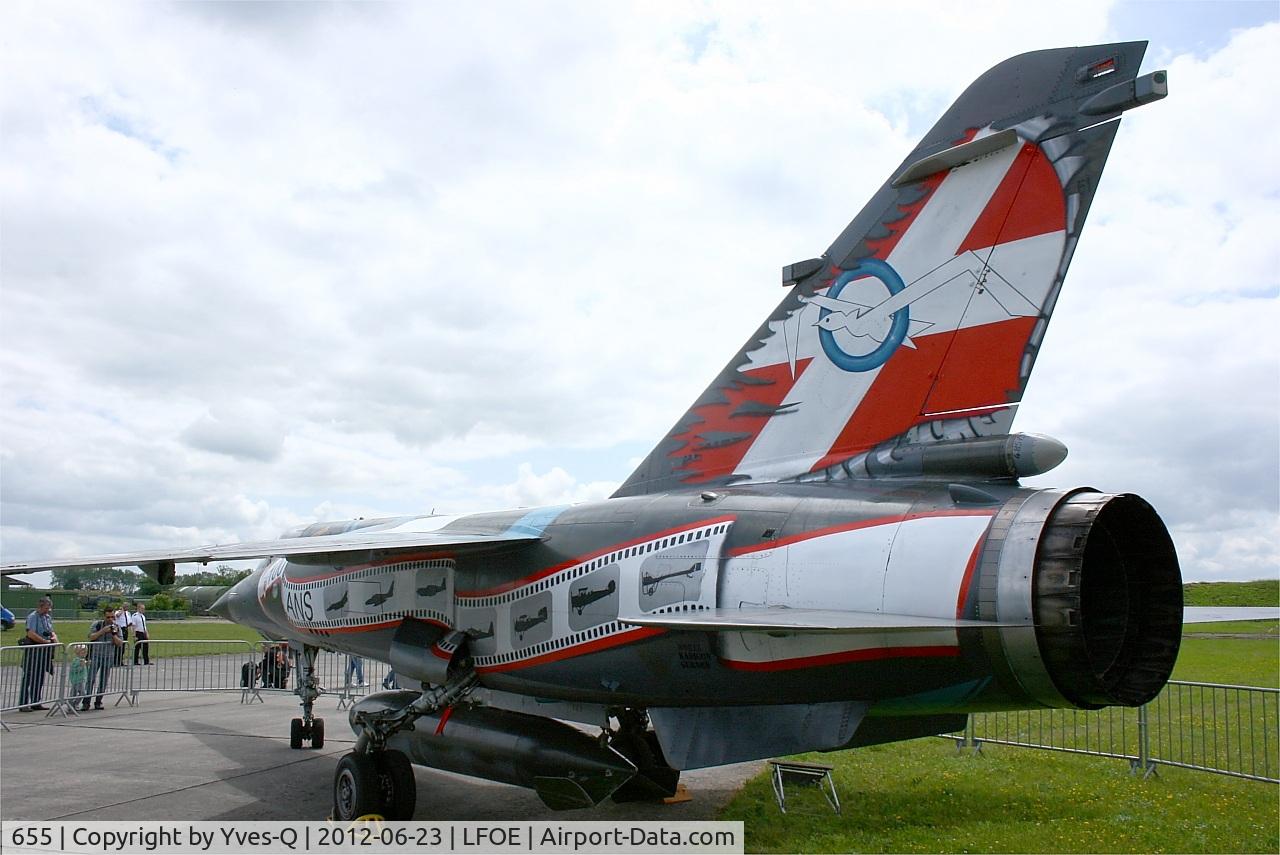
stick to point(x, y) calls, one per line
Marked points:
point(334, 672)
point(1230, 730)
point(175, 666)
point(30, 674)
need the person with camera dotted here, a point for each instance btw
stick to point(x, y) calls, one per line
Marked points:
point(106, 638)
point(37, 658)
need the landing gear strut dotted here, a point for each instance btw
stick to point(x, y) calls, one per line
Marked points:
point(376, 780)
point(654, 780)
point(308, 728)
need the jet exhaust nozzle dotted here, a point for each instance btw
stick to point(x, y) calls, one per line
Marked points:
point(566, 767)
point(1098, 578)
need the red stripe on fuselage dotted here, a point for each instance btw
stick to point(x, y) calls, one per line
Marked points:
point(855, 526)
point(868, 655)
point(598, 644)
point(968, 573)
point(564, 565)
point(368, 627)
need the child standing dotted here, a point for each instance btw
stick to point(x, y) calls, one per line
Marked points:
point(79, 670)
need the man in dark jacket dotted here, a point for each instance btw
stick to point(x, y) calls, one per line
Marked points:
point(37, 659)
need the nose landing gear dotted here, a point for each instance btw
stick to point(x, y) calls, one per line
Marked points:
point(308, 728)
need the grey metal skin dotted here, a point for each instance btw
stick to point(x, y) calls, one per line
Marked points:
point(1035, 568)
point(566, 767)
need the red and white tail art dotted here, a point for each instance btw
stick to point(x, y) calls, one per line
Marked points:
point(922, 320)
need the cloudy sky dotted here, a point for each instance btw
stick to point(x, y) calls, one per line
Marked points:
point(263, 264)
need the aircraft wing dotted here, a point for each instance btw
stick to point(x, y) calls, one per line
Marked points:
point(762, 619)
point(1215, 614)
point(304, 548)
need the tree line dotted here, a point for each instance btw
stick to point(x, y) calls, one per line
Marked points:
point(135, 582)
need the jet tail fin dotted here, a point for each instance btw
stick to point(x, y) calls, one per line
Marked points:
point(923, 319)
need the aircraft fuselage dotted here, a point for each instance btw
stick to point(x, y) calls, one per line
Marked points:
point(895, 548)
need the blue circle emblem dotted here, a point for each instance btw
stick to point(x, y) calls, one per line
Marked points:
point(897, 330)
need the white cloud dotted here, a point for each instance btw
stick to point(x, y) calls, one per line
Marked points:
point(268, 263)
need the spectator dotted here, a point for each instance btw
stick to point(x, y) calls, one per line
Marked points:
point(77, 673)
point(355, 668)
point(38, 660)
point(122, 623)
point(275, 667)
point(105, 635)
point(141, 645)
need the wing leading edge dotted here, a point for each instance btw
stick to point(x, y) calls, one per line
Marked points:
point(317, 549)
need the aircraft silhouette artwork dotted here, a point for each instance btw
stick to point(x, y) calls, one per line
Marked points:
point(380, 598)
point(338, 604)
point(585, 596)
point(524, 623)
point(873, 566)
point(430, 590)
point(477, 635)
point(649, 584)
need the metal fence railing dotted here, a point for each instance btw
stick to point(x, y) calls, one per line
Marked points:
point(1230, 730)
point(46, 675)
point(339, 674)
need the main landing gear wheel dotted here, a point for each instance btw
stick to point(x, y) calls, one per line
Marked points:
point(379, 783)
point(356, 788)
point(300, 732)
point(399, 788)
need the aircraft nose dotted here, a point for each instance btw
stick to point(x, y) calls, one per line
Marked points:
point(239, 603)
point(224, 606)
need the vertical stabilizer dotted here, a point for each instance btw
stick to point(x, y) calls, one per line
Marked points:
point(924, 317)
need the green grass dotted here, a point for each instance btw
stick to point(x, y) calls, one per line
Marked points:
point(1258, 628)
point(1234, 661)
point(1262, 592)
point(174, 630)
point(921, 796)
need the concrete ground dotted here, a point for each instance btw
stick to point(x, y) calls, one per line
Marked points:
point(206, 756)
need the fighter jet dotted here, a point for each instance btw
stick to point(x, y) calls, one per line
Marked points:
point(585, 596)
point(854, 490)
point(338, 604)
point(649, 584)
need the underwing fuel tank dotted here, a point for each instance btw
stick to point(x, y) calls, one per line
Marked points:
point(564, 766)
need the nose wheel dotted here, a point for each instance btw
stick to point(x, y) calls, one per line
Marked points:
point(300, 733)
point(308, 728)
